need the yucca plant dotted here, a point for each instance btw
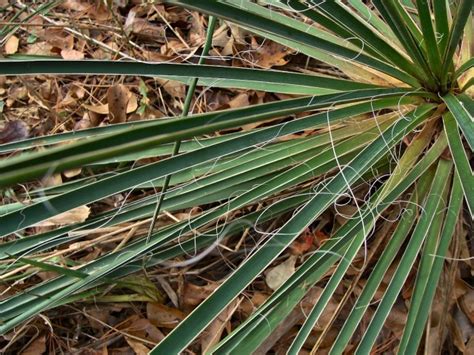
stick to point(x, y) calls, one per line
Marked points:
point(395, 115)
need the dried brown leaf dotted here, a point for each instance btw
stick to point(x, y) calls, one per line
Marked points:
point(117, 100)
point(52, 180)
point(462, 329)
point(72, 172)
point(276, 276)
point(99, 109)
point(193, 294)
point(145, 30)
point(11, 46)
point(75, 5)
point(248, 306)
point(270, 54)
point(303, 243)
point(37, 347)
point(396, 319)
point(213, 332)
point(137, 347)
point(39, 48)
point(470, 346)
point(76, 215)
point(241, 100)
point(71, 54)
point(89, 119)
point(13, 131)
point(103, 109)
point(173, 87)
point(58, 38)
point(467, 305)
point(163, 316)
point(141, 328)
point(297, 316)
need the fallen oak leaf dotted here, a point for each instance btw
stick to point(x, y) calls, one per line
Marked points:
point(194, 294)
point(71, 54)
point(163, 316)
point(467, 304)
point(117, 100)
point(270, 54)
point(38, 346)
point(137, 347)
point(302, 244)
point(11, 46)
point(75, 5)
point(103, 109)
point(76, 215)
point(173, 87)
point(72, 172)
point(13, 131)
point(213, 332)
point(277, 275)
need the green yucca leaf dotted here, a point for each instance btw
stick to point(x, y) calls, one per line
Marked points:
point(258, 22)
point(96, 149)
point(462, 108)
point(430, 44)
point(318, 264)
point(447, 233)
point(464, 11)
point(442, 24)
point(198, 320)
point(357, 28)
point(464, 68)
point(399, 20)
point(187, 71)
point(460, 160)
point(426, 263)
point(38, 212)
point(316, 164)
point(53, 268)
point(404, 226)
point(421, 232)
point(370, 16)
